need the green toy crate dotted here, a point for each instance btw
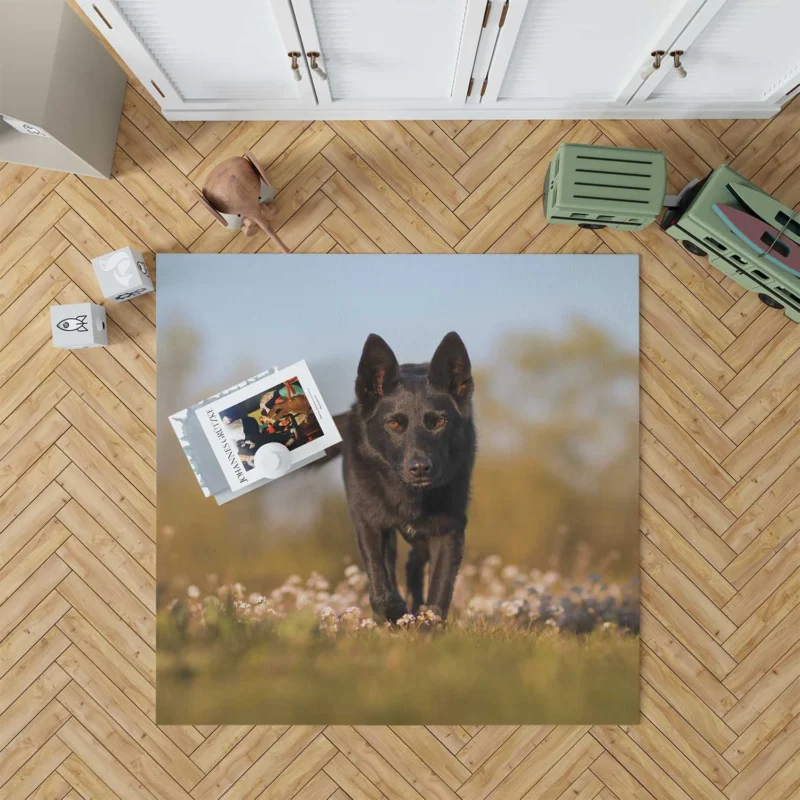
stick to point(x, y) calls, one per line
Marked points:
point(597, 187)
point(701, 231)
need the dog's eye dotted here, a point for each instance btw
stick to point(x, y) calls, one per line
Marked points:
point(438, 423)
point(393, 424)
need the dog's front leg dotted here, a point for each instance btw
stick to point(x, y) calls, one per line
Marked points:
point(376, 550)
point(447, 550)
point(415, 573)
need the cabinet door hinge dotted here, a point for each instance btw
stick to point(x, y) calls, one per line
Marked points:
point(503, 15)
point(469, 88)
point(486, 13)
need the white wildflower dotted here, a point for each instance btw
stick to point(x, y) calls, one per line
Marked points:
point(550, 578)
point(509, 572)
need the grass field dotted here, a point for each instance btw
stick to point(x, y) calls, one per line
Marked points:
point(290, 675)
point(519, 648)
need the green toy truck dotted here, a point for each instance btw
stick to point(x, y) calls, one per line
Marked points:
point(598, 187)
point(702, 232)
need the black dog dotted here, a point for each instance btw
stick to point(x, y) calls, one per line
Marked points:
point(409, 447)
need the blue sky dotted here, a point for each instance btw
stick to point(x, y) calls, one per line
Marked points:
point(254, 312)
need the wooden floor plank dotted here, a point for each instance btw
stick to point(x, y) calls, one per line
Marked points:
point(91, 606)
point(108, 478)
point(227, 772)
point(419, 161)
point(30, 703)
point(682, 735)
point(37, 769)
point(684, 556)
point(30, 267)
point(32, 192)
point(685, 701)
point(142, 187)
point(493, 152)
point(31, 738)
point(12, 176)
point(111, 519)
point(720, 469)
point(513, 195)
point(85, 783)
point(109, 588)
point(685, 593)
point(159, 131)
point(144, 153)
point(365, 217)
point(105, 768)
point(681, 516)
point(437, 143)
point(760, 549)
point(293, 158)
point(103, 655)
point(129, 752)
point(426, 222)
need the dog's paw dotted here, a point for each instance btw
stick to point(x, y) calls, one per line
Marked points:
point(394, 609)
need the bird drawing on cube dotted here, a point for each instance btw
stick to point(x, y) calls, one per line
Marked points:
point(78, 325)
point(122, 275)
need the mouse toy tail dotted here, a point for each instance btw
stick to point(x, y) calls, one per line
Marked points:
point(268, 229)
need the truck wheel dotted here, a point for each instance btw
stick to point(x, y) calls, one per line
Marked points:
point(693, 248)
point(592, 226)
point(769, 301)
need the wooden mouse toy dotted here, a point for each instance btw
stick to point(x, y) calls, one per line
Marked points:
point(234, 189)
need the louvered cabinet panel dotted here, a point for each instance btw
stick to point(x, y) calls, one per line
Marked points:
point(747, 51)
point(206, 52)
point(581, 50)
point(388, 51)
point(458, 59)
point(212, 50)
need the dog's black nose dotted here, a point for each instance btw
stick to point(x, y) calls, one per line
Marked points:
point(419, 467)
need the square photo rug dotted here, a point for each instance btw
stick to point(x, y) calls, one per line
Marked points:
point(398, 489)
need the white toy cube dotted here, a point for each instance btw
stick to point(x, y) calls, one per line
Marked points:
point(122, 274)
point(78, 325)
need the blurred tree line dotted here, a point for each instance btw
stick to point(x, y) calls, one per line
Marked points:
point(555, 484)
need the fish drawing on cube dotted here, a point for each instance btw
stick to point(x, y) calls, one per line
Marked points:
point(122, 275)
point(78, 325)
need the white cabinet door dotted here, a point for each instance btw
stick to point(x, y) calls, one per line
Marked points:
point(746, 51)
point(405, 54)
point(569, 54)
point(208, 54)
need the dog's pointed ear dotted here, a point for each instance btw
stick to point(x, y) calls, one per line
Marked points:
point(378, 371)
point(450, 369)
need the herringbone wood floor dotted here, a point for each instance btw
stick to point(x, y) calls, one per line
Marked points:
point(720, 452)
